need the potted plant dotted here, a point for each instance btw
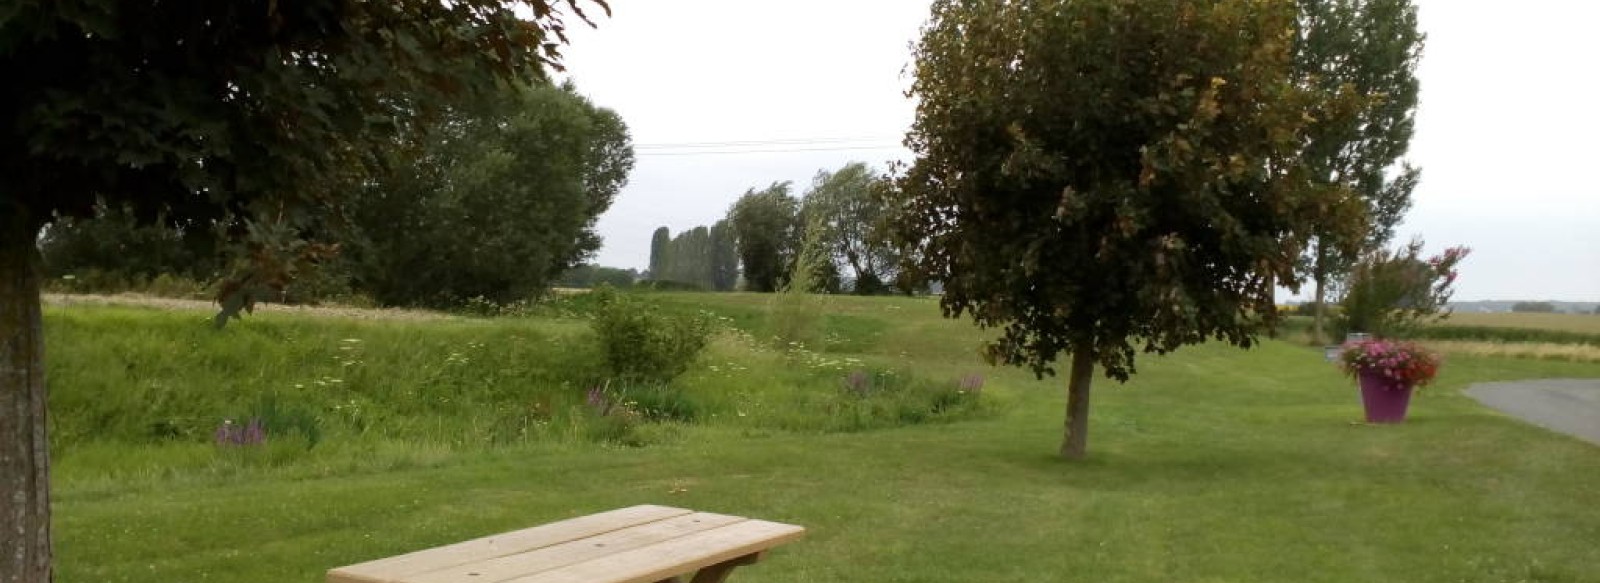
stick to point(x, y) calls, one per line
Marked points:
point(1388, 371)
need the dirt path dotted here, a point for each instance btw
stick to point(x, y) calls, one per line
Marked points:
point(1570, 406)
point(208, 306)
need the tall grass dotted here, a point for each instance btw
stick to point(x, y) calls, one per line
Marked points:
point(794, 317)
point(1579, 323)
point(1533, 350)
point(149, 377)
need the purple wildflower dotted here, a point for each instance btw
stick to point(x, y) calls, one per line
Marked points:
point(598, 400)
point(971, 383)
point(858, 382)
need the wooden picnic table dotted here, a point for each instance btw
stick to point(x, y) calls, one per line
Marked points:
point(639, 544)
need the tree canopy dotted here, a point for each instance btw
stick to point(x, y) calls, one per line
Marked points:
point(842, 204)
point(500, 198)
point(766, 224)
point(1371, 48)
point(1103, 177)
point(242, 115)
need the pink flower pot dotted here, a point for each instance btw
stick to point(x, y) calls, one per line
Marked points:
point(1385, 399)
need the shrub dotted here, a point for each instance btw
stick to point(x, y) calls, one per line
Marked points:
point(643, 344)
point(1392, 294)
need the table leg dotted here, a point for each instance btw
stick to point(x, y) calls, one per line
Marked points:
point(719, 572)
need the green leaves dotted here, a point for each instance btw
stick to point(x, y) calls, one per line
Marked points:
point(501, 198)
point(1108, 174)
point(767, 226)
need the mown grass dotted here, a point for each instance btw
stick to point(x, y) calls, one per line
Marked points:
point(1213, 464)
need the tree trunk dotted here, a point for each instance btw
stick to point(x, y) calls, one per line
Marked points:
point(1319, 273)
point(24, 449)
point(1075, 441)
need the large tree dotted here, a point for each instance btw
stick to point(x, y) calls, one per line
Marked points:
point(1101, 177)
point(202, 112)
point(843, 206)
point(501, 197)
point(766, 224)
point(1371, 47)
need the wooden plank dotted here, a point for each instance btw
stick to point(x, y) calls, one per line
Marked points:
point(680, 555)
point(392, 569)
point(577, 551)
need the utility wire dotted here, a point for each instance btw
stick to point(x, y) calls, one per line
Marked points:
point(764, 151)
point(745, 143)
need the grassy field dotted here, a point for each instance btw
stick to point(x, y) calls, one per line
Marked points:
point(1213, 464)
point(1580, 323)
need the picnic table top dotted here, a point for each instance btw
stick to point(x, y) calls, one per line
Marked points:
point(639, 544)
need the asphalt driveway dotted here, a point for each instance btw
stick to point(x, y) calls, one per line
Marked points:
point(1570, 406)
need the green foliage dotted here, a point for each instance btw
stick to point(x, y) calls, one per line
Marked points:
point(207, 113)
point(1534, 307)
point(1109, 176)
point(688, 259)
point(766, 225)
point(724, 256)
point(586, 276)
point(794, 317)
point(1392, 294)
point(1104, 177)
point(500, 200)
point(285, 419)
point(658, 251)
point(1369, 48)
point(643, 344)
point(212, 115)
point(114, 245)
point(843, 206)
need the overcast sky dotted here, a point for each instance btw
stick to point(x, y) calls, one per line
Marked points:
point(726, 95)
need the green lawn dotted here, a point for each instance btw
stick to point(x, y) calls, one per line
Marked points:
point(1213, 464)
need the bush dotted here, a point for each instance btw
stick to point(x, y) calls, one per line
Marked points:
point(641, 343)
point(1392, 294)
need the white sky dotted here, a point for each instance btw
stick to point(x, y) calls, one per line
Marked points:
point(1508, 133)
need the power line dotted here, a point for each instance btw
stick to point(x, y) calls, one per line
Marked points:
point(766, 151)
point(777, 142)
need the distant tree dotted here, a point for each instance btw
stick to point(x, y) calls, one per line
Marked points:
point(701, 271)
point(240, 114)
point(766, 226)
point(689, 259)
point(724, 256)
point(1103, 176)
point(1392, 293)
point(1534, 307)
point(1370, 48)
point(501, 198)
point(844, 206)
point(587, 276)
point(658, 251)
point(114, 243)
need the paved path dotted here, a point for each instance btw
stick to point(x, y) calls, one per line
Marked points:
point(1571, 406)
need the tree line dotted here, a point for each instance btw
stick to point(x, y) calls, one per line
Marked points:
point(496, 199)
point(757, 245)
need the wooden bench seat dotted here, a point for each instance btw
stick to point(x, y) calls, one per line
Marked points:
point(640, 544)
